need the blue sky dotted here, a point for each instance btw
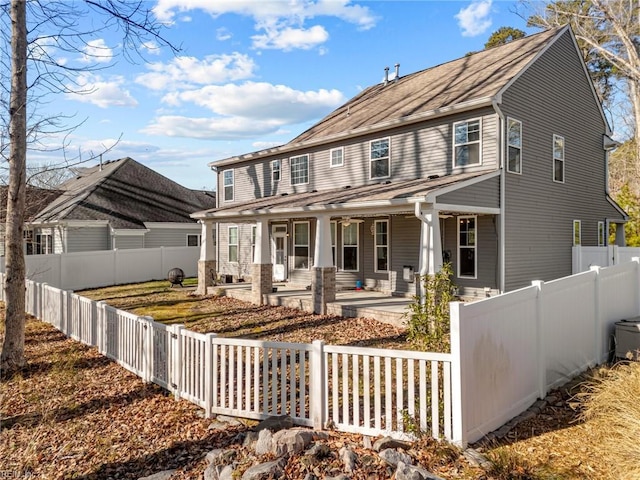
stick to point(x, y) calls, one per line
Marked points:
point(254, 74)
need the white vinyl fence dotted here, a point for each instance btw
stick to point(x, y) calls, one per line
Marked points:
point(515, 347)
point(583, 258)
point(81, 270)
point(362, 390)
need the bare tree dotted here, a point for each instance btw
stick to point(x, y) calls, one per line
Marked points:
point(38, 29)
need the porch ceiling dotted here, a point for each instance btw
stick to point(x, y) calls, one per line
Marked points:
point(392, 197)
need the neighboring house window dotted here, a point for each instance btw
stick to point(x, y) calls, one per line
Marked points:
point(193, 240)
point(350, 247)
point(382, 245)
point(299, 169)
point(558, 158)
point(254, 229)
point(466, 143)
point(301, 245)
point(577, 232)
point(333, 241)
point(228, 185)
point(514, 141)
point(601, 235)
point(44, 244)
point(29, 243)
point(337, 157)
point(233, 244)
point(275, 170)
point(467, 242)
point(379, 158)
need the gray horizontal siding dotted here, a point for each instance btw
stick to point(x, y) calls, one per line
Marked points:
point(416, 151)
point(123, 242)
point(483, 194)
point(553, 97)
point(87, 239)
point(169, 237)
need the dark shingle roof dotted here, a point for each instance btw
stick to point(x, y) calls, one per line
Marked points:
point(127, 194)
point(37, 199)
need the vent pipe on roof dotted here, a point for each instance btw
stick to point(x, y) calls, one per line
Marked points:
point(100, 162)
point(386, 75)
point(397, 72)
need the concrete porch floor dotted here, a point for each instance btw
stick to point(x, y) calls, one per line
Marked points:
point(349, 303)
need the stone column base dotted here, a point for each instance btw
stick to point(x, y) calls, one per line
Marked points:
point(206, 275)
point(261, 281)
point(323, 288)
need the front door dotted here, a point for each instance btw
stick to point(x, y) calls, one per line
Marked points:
point(279, 254)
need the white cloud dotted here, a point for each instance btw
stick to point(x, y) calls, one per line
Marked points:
point(151, 47)
point(102, 93)
point(213, 128)
point(262, 101)
point(182, 71)
point(97, 51)
point(475, 19)
point(282, 22)
point(222, 34)
point(291, 38)
point(265, 145)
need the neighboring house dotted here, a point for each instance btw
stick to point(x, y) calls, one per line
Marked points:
point(116, 205)
point(495, 162)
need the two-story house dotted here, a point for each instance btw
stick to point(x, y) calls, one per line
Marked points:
point(495, 162)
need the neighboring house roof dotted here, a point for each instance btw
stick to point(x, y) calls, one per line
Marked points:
point(37, 199)
point(468, 82)
point(126, 194)
point(339, 201)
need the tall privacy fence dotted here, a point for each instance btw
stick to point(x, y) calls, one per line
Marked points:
point(360, 390)
point(583, 258)
point(506, 352)
point(75, 271)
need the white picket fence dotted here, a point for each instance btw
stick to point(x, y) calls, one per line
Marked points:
point(360, 390)
point(583, 258)
point(81, 270)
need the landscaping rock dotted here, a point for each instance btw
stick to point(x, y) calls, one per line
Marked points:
point(291, 441)
point(165, 475)
point(264, 444)
point(266, 471)
point(393, 457)
point(274, 423)
point(477, 459)
point(411, 472)
point(348, 458)
point(389, 442)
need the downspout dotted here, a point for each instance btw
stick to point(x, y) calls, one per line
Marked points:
point(503, 178)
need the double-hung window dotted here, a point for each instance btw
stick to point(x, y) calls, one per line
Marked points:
point(467, 243)
point(299, 169)
point(382, 245)
point(233, 244)
point(227, 176)
point(380, 158)
point(275, 170)
point(577, 233)
point(301, 245)
point(350, 247)
point(558, 159)
point(514, 146)
point(193, 240)
point(466, 143)
point(44, 244)
point(337, 157)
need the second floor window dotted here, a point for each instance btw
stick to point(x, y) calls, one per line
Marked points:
point(299, 169)
point(514, 141)
point(558, 159)
point(466, 142)
point(275, 170)
point(337, 157)
point(379, 158)
point(228, 185)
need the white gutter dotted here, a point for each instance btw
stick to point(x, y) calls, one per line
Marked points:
point(503, 247)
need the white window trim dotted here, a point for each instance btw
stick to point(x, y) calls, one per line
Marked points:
point(371, 160)
point(273, 170)
point(291, 173)
point(224, 186)
point(254, 233)
point(331, 164)
point(308, 245)
point(357, 245)
point(553, 155)
point(475, 247)
point(198, 236)
point(375, 246)
point(237, 244)
point(509, 119)
point(602, 235)
point(479, 142)
point(577, 223)
point(334, 241)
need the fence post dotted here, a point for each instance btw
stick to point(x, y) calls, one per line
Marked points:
point(147, 348)
point(458, 435)
point(208, 374)
point(175, 360)
point(576, 259)
point(540, 350)
point(597, 308)
point(317, 393)
point(101, 324)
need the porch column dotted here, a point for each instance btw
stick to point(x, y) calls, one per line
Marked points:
point(207, 262)
point(430, 261)
point(323, 282)
point(262, 268)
